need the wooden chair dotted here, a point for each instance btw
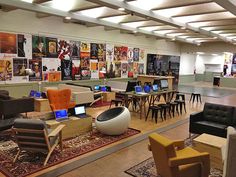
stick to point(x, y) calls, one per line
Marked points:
point(33, 135)
point(172, 159)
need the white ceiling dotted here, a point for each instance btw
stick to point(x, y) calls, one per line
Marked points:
point(191, 21)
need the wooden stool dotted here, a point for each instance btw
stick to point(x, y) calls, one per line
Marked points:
point(193, 95)
point(164, 108)
point(117, 102)
point(155, 110)
point(174, 106)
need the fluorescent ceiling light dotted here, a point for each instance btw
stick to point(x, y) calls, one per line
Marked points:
point(163, 31)
point(133, 24)
point(217, 32)
point(227, 34)
point(121, 9)
point(200, 53)
point(29, 1)
point(214, 54)
point(174, 34)
point(68, 18)
point(93, 13)
point(146, 4)
point(64, 5)
point(169, 12)
point(116, 19)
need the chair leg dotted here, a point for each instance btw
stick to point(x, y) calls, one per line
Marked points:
point(156, 114)
point(110, 105)
point(200, 98)
point(173, 110)
point(46, 160)
point(185, 107)
point(17, 155)
point(177, 109)
point(191, 97)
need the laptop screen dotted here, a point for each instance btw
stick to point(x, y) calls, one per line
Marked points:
point(32, 93)
point(164, 84)
point(138, 89)
point(155, 87)
point(103, 88)
point(37, 94)
point(146, 88)
point(96, 87)
point(80, 110)
point(61, 114)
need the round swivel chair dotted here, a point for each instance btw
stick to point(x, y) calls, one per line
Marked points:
point(114, 121)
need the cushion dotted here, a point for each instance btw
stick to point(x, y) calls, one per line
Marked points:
point(4, 97)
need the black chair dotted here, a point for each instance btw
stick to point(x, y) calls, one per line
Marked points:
point(165, 107)
point(197, 95)
point(155, 110)
point(180, 99)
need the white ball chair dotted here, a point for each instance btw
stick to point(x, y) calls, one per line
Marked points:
point(114, 121)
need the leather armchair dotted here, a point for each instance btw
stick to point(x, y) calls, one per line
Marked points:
point(60, 99)
point(173, 160)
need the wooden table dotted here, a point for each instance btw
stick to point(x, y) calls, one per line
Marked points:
point(108, 96)
point(212, 145)
point(41, 105)
point(74, 126)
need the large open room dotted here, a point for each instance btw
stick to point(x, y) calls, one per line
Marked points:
point(101, 88)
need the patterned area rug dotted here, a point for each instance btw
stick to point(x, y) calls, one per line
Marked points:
point(30, 163)
point(100, 104)
point(147, 168)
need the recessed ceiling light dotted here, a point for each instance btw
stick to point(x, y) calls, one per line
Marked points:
point(198, 44)
point(200, 53)
point(173, 39)
point(121, 9)
point(68, 18)
point(215, 37)
point(183, 27)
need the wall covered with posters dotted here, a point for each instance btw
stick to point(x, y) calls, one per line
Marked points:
point(58, 51)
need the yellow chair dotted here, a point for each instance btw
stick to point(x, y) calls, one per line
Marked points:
point(173, 160)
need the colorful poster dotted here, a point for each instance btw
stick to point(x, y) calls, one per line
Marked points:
point(110, 70)
point(51, 47)
point(84, 50)
point(76, 75)
point(136, 54)
point(140, 68)
point(36, 66)
point(51, 64)
point(124, 70)
point(123, 53)
point(54, 76)
point(66, 69)
point(38, 46)
point(64, 50)
point(94, 69)
point(24, 48)
point(109, 52)
point(75, 50)
point(141, 54)
point(117, 51)
point(135, 69)
point(94, 51)
point(130, 54)
point(5, 70)
point(85, 68)
point(102, 69)
point(130, 70)
point(102, 52)
point(8, 43)
point(19, 66)
point(118, 69)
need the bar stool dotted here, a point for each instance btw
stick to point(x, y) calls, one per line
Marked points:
point(116, 102)
point(180, 100)
point(155, 110)
point(165, 108)
point(173, 107)
point(197, 95)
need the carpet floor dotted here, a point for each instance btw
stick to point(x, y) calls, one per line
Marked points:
point(29, 163)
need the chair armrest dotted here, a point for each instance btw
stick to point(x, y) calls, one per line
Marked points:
point(201, 157)
point(56, 131)
point(197, 116)
point(179, 144)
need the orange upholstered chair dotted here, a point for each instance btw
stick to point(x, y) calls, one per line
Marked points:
point(60, 99)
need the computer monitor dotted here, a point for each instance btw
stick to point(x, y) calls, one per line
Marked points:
point(37, 94)
point(155, 88)
point(61, 114)
point(138, 89)
point(103, 88)
point(164, 84)
point(130, 86)
point(146, 88)
point(32, 93)
point(96, 87)
point(80, 110)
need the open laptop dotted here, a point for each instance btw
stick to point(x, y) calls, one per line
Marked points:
point(80, 112)
point(164, 84)
point(155, 88)
point(61, 115)
point(139, 90)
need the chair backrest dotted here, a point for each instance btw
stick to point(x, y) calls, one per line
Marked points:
point(230, 154)
point(59, 99)
point(31, 135)
point(162, 149)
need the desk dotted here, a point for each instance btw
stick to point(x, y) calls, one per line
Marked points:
point(73, 127)
point(212, 145)
point(108, 96)
point(41, 105)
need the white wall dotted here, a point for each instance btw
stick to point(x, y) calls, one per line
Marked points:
point(26, 22)
point(187, 63)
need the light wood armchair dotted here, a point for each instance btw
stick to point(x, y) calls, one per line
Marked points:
point(172, 159)
point(33, 135)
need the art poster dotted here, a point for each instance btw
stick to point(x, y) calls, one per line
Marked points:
point(94, 51)
point(102, 52)
point(140, 68)
point(130, 54)
point(84, 50)
point(110, 70)
point(117, 51)
point(51, 47)
point(85, 68)
point(19, 66)
point(123, 53)
point(24, 48)
point(94, 69)
point(6, 70)
point(66, 69)
point(130, 70)
point(64, 50)
point(124, 70)
point(75, 50)
point(118, 69)
point(109, 52)
point(76, 74)
point(136, 54)
point(102, 69)
point(54, 76)
point(135, 69)
point(8, 43)
point(38, 46)
point(141, 55)
point(51, 64)
point(36, 66)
